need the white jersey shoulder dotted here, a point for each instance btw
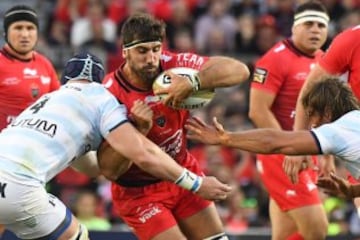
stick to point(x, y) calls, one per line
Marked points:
point(342, 138)
point(58, 128)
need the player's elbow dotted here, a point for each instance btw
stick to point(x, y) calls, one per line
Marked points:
point(240, 71)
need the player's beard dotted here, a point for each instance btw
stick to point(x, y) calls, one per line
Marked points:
point(146, 74)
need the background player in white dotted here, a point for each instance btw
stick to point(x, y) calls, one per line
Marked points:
point(58, 129)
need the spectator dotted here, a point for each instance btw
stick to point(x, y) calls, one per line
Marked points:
point(86, 208)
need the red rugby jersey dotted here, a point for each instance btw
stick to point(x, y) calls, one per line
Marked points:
point(282, 71)
point(343, 56)
point(22, 82)
point(167, 131)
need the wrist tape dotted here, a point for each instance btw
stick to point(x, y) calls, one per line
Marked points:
point(189, 180)
point(195, 82)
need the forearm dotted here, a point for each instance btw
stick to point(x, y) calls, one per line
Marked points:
point(272, 141)
point(87, 164)
point(257, 141)
point(265, 119)
point(222, 72)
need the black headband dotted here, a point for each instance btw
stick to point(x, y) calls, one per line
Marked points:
point(20, 14)
point(133, 43)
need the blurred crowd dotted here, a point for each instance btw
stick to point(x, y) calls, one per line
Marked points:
point(244, 29)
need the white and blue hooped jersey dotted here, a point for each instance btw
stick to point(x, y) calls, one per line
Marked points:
point(56, 129)
point(342, 138)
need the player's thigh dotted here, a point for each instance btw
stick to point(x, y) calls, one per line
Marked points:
point(30, 212)
point(202, 224)
point(282, 225)
point(311, 221)
point(170, 233)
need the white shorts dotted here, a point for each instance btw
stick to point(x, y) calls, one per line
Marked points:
point(30, 212)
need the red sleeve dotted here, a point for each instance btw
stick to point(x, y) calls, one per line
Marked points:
point(268, 74)
point(55, 83)
point(110, 84)
point(337, 57)
point(190, 60)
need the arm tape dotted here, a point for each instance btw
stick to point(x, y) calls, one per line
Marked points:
point(189, 180)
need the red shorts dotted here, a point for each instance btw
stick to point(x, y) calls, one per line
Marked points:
point(154, 208)
point(351, 179)
point(288, 196)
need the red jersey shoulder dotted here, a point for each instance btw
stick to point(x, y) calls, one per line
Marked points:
point(170, 60)
point(269, 62)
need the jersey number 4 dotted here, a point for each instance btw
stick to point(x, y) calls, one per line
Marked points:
point(39, 104)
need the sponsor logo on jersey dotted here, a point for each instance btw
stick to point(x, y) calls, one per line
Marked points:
point(172, 145)
point(11, 81)
point(39, 125)
point(310, 186)
point(260, 75)
point(165, 58)
point(290, 193)
point(279, 48)
point(189, 60)
point(45, 79)
point(301, 76)
point(160, 121)
point(34, 90)
point(148, 213)
point(30, 72)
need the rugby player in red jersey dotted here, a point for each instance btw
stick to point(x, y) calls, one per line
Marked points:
point(296, 210)
point(155, 209)
point(25, 74)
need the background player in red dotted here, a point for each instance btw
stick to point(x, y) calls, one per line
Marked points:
point(157, 209)
point(342, 57)
point(296, 210)
point(25, 74)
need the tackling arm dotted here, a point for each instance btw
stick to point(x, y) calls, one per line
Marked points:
point(265, 140)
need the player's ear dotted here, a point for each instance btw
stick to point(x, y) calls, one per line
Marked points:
point(327, 115)
point(124, 53)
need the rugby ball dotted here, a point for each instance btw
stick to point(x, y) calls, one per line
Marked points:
point(196, 100)
point(111, 163)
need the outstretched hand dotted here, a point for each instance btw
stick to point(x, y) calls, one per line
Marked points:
point(336, 186)
point(202, 132)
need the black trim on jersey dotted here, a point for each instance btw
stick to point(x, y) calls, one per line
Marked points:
point(289, 44)
point(317, 142)
point(8, 55)
point(132, 183)
point(120, 123)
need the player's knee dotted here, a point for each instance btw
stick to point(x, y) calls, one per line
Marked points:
point(81, 234)
point(219, 236)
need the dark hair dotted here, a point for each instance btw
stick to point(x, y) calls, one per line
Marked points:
point(311, 5)
point(142, 27)
point(330, 96)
